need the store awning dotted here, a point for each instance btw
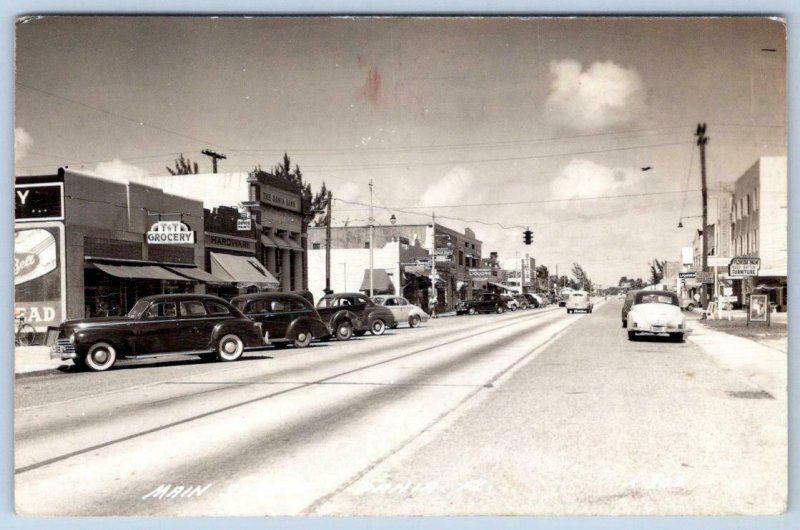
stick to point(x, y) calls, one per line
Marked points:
point(241, 269)
point(196, 273)
point(500, 285)
point(380, 281)
point(273, 241)
point(294, 245)
point(148, 272)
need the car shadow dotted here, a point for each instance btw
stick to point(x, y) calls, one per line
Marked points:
point(654, 338)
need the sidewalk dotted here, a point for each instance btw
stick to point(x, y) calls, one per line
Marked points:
point(28, 359)
point(774, 336)
point(763, 364)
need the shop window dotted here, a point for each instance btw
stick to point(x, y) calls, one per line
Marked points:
point(315, 246)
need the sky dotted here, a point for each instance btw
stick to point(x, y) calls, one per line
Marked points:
point(492, 123)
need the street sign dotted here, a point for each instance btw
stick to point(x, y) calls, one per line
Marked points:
point(704, 277)
point(687, 274)
point(742, 267)
point(718, 261)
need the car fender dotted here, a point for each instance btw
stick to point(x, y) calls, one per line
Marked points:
point(120, 339)
point(316, 327)
point(342, 315)
point(246, 329)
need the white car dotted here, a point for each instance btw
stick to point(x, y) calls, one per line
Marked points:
point(579, 301)
point(402, 310)
point(656, 312)
point(511, 304)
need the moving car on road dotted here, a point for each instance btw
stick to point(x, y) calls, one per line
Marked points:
point(356, 312)
point(285, 318)
point(579, 301)
point(485, 303)
point(656, 312)
point(162, 324)
point(402, 310)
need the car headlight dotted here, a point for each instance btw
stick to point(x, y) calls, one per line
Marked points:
point(72, 339)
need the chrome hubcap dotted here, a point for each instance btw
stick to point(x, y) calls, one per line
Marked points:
point(101, 356)
point(230, 347)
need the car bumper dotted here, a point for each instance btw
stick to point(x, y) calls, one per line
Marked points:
point(63, 350)
point(658, 329)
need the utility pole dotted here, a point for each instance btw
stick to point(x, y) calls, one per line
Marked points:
point(328, 245)
point(214, 157)
point(702, 140)
point(371, 229)
point(433, 260)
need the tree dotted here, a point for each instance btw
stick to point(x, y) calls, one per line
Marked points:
point(319, 205)
point(657, 271)
point(183, 166)
point(623, 280)
point(581, 278)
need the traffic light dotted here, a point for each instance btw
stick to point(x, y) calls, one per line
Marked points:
point(527, 237)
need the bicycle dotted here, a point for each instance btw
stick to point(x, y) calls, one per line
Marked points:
point(25, 333)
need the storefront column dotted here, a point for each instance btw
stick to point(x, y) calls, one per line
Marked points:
point(298, 272)
point(270, 256)
point(286, 270)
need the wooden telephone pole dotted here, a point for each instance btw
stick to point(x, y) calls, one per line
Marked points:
point(328, 245)
point(214, 157)
point(702, 140)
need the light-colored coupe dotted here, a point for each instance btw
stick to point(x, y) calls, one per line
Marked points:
point(656, 312)
point(402, 310)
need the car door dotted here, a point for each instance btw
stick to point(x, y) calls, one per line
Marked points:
point(403, 309)
point(279, 318)
point(157, 329)
point(194, 325)
point(391, 303)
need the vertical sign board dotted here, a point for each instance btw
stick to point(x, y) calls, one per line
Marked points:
point(39, 275)
point(758, 310)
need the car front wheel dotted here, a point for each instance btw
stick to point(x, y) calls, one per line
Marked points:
point(413, 321)
point(690, 307)
point(500, 309)
point(100, 357)
point(377, 327)
point(230, 348)
point(472, 311)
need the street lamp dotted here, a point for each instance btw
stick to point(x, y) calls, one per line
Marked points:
point(393, 219)
point(680, 220)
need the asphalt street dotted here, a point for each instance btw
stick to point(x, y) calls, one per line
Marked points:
point(526, 412)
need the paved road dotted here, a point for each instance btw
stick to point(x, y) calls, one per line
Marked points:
point(526, 412)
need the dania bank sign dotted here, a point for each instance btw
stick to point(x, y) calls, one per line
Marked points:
point(170, 233)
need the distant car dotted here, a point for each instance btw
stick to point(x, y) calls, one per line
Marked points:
point(402, 309)
point(626, 306)
point(485, 303)
point(656, 312)
point(523, 301)
point(540, 300)
point(199, 324)
point(688, 304)
point(511, 302)
point(355, 310)
point(579, 301)
point(285, 318)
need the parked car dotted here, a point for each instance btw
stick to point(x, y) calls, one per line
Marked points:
point(402, 310)
point(355, 310)
point(285, 318)
point(522, 301)
point(579, 301)
point(688, 304)
point(511, 303)
point(626, 306)
point(535, 300)
point(485, 303)
point(162, 324)
point(656, 312)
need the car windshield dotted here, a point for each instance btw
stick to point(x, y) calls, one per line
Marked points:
point(138, 308)
point(657, 298)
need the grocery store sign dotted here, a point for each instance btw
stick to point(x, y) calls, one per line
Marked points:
point(743, 267)
point(170, 233)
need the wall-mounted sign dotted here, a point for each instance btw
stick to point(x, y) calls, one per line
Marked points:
point(39, 278)
point(480, 273)
point(280, 198)
point(244, 224)
point(743, 267)
point(229, 242)
point(170, 233)
point(40, 201)
point(443, 252)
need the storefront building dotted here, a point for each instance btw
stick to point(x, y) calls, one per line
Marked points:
point(401, 261)
point(86, 246)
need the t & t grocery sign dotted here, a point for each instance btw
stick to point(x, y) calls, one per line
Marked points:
point(170, 233)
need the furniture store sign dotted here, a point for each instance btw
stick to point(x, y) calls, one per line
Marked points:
point(170, 233)
point(743, 267)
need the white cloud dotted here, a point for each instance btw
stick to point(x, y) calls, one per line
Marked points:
point(584, 178)
point(603, 95)
point(22, 144)
point(457, 186)
point(119, 170)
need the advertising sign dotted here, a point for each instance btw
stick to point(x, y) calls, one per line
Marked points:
point(758, 310)
point(170, 233)
point(39, 201)
point(39, 280)
point(743, 267)
point(686, 274)
point(480, 273)
point(244, 224)
point(443, 252)
point(704, 277)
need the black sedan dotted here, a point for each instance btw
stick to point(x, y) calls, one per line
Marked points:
point(485, 303)
point(285, 318)
point(163, 324)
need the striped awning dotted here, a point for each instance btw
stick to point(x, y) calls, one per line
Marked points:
point(144, 272)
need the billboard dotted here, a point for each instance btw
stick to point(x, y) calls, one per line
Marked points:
point(39, 275)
